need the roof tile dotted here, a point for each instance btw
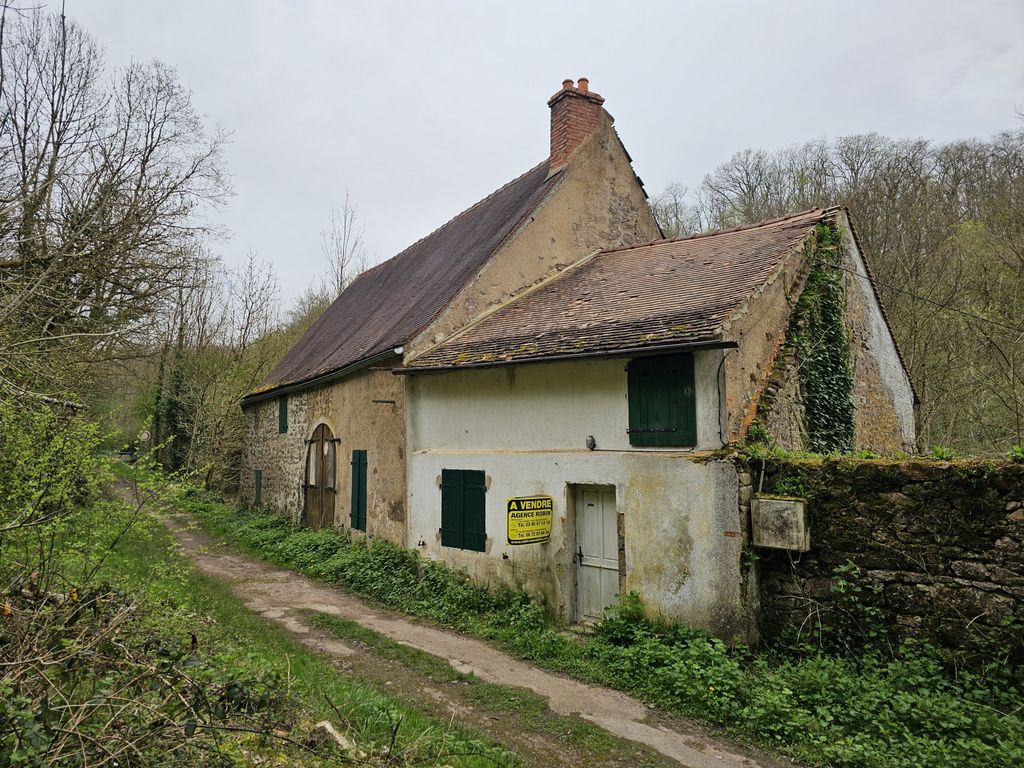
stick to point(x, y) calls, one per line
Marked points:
point(665, 293)
point(387, 305)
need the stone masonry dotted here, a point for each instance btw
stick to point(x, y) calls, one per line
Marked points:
point(939, 545)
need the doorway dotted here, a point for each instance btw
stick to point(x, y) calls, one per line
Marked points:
point(598, 546)
point(320, 478)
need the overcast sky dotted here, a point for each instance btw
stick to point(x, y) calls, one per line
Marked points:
point(421, 109)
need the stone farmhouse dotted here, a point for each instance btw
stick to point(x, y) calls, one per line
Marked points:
point(537, 391)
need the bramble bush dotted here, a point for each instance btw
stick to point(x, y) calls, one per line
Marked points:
point(851, 704)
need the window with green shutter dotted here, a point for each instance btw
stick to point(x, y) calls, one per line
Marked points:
point(358, 514)
point(463, 509)
point(662, 403)
point(282, 414)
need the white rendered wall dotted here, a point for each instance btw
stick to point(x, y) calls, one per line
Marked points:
point(544, 406)
point(525, 427)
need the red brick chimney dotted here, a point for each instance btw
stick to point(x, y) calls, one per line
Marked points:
point(575, 114)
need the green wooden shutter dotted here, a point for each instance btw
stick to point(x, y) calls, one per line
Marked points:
point(464, 509)
point(474, 510)
point(662, 402)
point(282, 414)
point(358, 514)
point(451, 508)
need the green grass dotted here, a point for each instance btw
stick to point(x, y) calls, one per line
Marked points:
point(177, 601)
point(530, 710)
point(111, 640)
point(865, 710)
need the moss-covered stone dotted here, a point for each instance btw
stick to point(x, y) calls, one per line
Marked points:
point(939, 546)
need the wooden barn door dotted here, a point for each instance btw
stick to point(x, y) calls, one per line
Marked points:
point(321, 478)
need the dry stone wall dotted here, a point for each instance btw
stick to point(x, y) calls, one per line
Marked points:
point(938, 546)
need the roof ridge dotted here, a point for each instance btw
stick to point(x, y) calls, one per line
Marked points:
point(726, 231)
point(459, 215)
point(521, 294)
point(422, 278)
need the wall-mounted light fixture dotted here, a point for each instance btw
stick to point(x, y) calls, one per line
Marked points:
point(591, 443)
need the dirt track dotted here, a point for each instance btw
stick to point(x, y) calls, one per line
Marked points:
point(288, 598)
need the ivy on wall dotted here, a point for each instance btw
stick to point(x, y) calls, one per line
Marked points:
point(818, 333)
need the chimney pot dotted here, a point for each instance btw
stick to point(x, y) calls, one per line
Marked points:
point(575, 114)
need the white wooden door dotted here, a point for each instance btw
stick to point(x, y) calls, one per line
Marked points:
point(597, 551)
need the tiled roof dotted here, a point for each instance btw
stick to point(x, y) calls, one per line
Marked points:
point(387, 305)
point(668, 293)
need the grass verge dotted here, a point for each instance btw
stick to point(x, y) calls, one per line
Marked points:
point(178, 601)
point(255, 672)
point(115, 651)
point(530, 711)
point(867, 710)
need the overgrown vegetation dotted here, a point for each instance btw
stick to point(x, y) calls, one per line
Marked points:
point(87, 678)
point(818, 331)
point(817, 340)
point(845, 703)
point(111, 296)
point(114, 652)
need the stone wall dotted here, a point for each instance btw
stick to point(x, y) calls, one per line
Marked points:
point(937, 545)
point(882, 397)
point(278, 456)
point(759, 329)
point(782, 408)
point(366, 411)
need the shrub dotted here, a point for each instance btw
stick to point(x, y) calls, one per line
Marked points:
point(86, 679)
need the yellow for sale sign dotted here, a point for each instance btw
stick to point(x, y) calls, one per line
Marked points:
point(529, 519)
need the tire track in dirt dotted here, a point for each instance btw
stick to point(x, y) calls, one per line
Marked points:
point(287, 598)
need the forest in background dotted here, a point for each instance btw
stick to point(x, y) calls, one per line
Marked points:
point(113, 303)
point(942, 226)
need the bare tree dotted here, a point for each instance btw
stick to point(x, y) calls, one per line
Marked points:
point(220, 342)
point(102, 180)
point(675, 212)
point(342, 245)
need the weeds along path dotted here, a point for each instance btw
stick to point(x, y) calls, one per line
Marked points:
point(294, 601)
